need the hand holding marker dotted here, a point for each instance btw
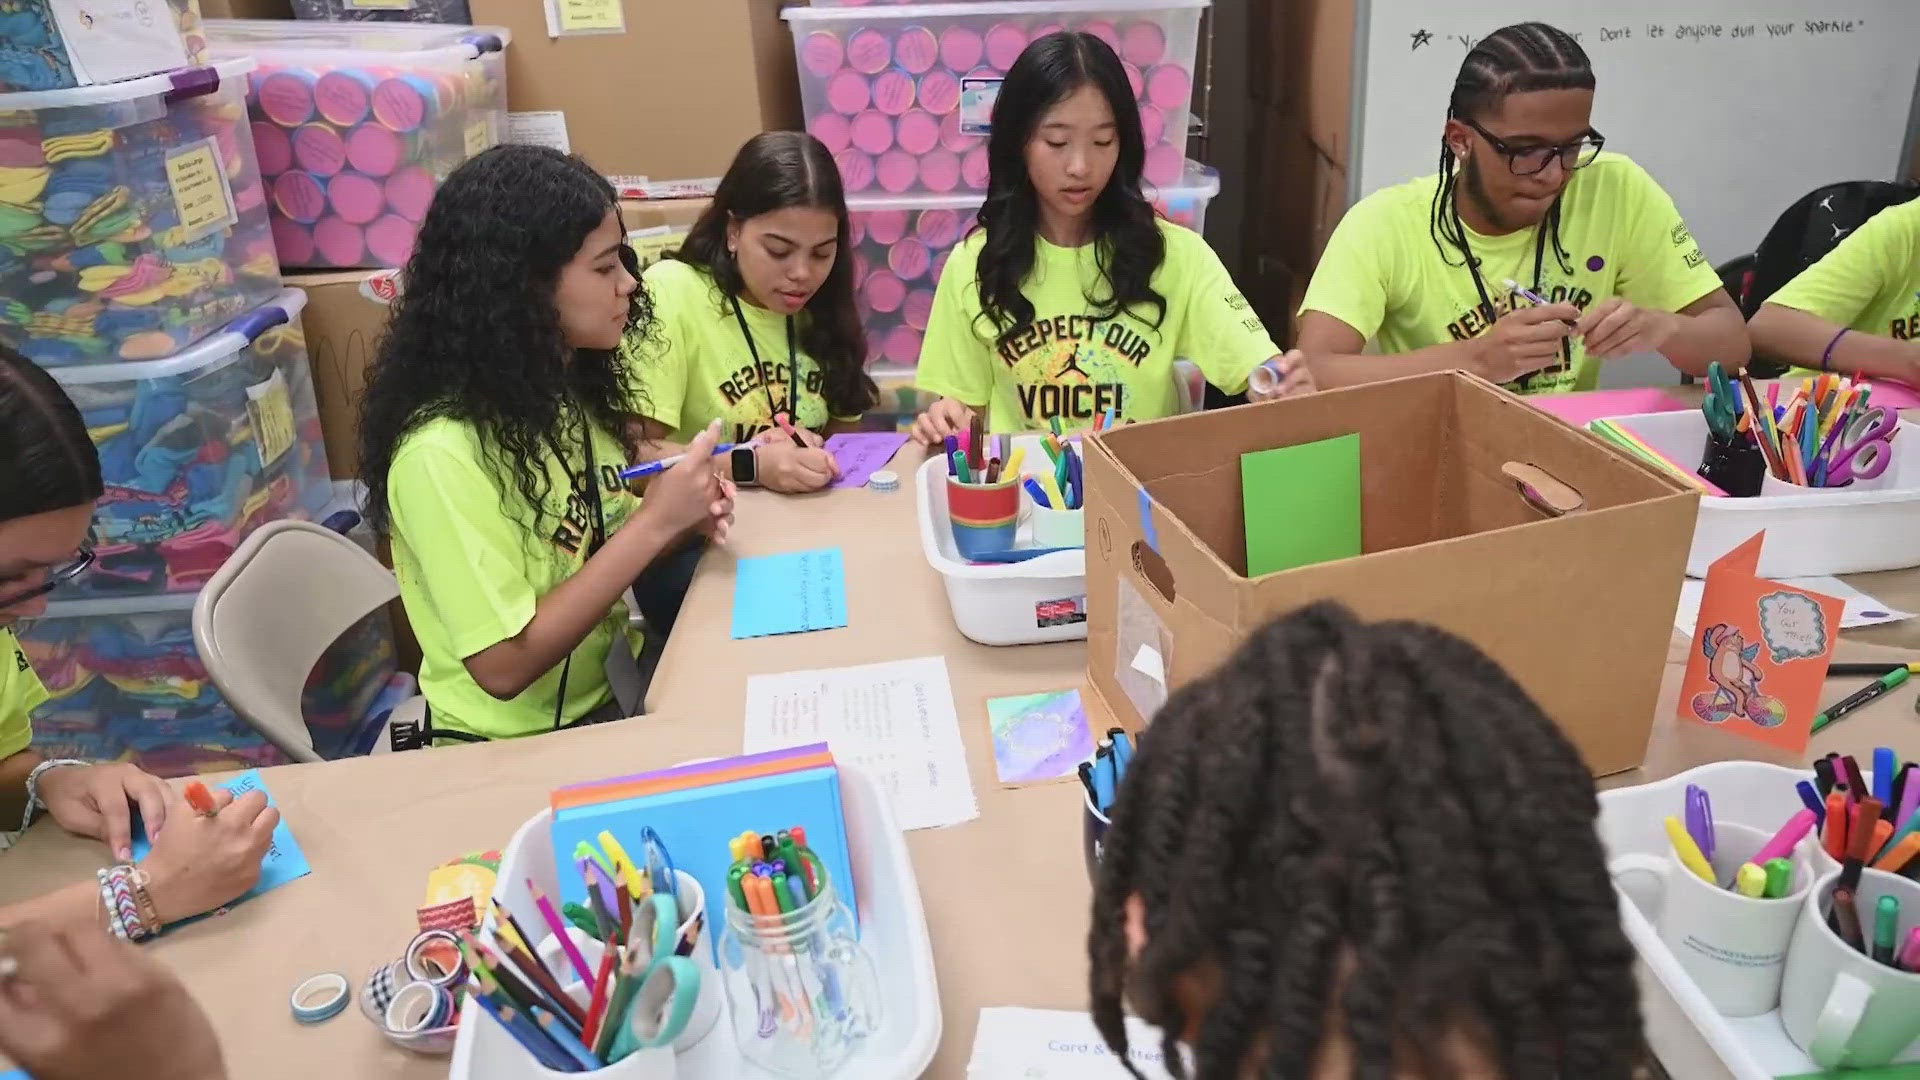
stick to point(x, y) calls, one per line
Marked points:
point(1101, 777)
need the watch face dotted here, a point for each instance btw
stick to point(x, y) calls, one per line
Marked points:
point(745, 465)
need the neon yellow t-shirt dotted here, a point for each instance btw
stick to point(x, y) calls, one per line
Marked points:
point(1382, 275)
point(20, 693)
point(696, 366)
point(471, 568)
point(1068, 364)
point(1870, 282)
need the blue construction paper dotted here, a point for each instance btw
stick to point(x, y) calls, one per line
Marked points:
point(284, 860)
point(789, 594)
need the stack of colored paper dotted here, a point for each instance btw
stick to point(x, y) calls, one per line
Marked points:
point(1619, 436)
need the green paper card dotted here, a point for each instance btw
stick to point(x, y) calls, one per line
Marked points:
point(1302, 504)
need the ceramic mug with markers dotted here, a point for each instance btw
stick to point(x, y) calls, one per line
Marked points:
point(1844, 1008)
point(985, 517)
point(1733, 946)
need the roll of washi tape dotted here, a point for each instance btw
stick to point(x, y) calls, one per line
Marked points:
point(916, 131)
point(320, 997)
point(375, 150)
point(939, 91)
point(916, 49)
point(893, 91)
point(299, 196)
point(886, 227)
point(909, 259)
point(355, 198)
point(974, 170)
point(1005, 42)
point(1169, 86)
point(953, 138)
point(1143, 43)
point(848, 92)
point(884, 480)
point(903, 346)
point(292, 242)
point(1135, 81)
point(856, 169)
point(419, 1006)
point(271, 148)
point(822, 54)
point(937, 228)
point(884, 292)
point(390, 240)
point(1165, 165)
point(1153, 125)
point(917, 311)
point(833, 131)
point(285, 96)
point(339, 242)
point(940, 169)
point(409, 192)
point(319, 149)
point(434, 956)
point(871, 132)
point(382, 984)
point(1103, 30)
point(896, 171)
point(343, 96)
point(406, 102)
point(868, 51)
point(961, 47)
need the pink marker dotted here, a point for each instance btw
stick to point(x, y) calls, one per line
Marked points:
point(884, 292)
point(848, 92)
point(868, 51)
point(1165, 165)
point(893, 92)
point(319, 149)
point(822, 54)
point(856, 169)
point(285, 97)
point(903, 346)
point(340, 243)
point(916, 49)
point(357, 199)
point(918, 310)
point(342, 96)
point(909, 259)
point(871, 133)
point(916, 131)
point(1103, 30)
point(1170, 87)
point(886, 227)
point(1783, 842)
point(961, 47)
point(272, 147)
point(974, 170)
point(1143, 43)
point(390, 240)
point(832, 130)
point(1909, 801)
point(896, 170)
point(940, 170)
point(1910, 953)
point(299, 196)
point(292, 242)
point(939, 91)
point(374, 150)
point(409, 191)
point(938, 228)
point(1005, 43)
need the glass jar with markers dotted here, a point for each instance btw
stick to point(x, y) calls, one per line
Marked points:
point(802, 991)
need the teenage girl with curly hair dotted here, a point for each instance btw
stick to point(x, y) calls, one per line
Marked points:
point(491, 446)
point(1361, 851)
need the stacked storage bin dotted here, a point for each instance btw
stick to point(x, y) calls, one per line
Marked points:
point(357, 123)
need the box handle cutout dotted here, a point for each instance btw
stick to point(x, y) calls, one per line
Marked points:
point(1154, 569)
point(1542, 491)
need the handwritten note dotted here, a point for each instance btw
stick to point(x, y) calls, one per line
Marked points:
point(789, 594)
point(862, 453)
point(284, 860)
point(201, 198)
point(895, 721)
point(1053, 1044)
point(585, 17)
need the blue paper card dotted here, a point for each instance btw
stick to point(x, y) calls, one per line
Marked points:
point(789, 594)
point(284, 860)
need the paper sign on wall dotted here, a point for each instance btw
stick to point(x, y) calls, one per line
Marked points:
point(585, 17)
point(1759, 653)
point(548, 128)
point(977, 96)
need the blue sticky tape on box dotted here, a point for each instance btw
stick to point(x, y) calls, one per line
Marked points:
point(1147, 531)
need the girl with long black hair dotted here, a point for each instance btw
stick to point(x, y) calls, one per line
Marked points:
point(1073, 298)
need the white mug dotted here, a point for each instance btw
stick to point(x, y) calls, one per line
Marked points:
point(1844, 1008)
point(1733, 946)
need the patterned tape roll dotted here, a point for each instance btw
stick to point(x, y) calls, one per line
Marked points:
point(385, 981)
point(417, 1007)
point(434, 956)
point(320, 997)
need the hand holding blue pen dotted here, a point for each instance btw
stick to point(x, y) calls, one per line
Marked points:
point(637, 472)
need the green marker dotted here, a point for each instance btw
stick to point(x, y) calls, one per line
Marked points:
point(1873, 690)
point(584, 850)
point(1779, 878)
point(1886, 926)
point(735, 889)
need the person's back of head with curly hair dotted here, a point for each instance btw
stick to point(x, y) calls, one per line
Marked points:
point(1360, 850)
point(510, 316)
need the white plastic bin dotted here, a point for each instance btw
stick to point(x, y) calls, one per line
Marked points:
point(36, 52)
point(1872, 525)
point(1042, 599)
point(132, 218)
point(903, 94)
point(893, 930)
point(198, 450)
point(901, 243)
point(357, 124)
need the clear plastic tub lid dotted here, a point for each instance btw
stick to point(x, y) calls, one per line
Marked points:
point(211, 353)
point(398, 43)
point(181, 82)
point(162, 604)
point(1051, 10)
point(1196, 182)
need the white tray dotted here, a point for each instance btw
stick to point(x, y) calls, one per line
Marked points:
point(893, 929)
point(1691, 1038)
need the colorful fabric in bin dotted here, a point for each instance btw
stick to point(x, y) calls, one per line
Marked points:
point(99, 259)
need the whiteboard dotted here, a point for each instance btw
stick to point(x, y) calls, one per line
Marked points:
point(1737, 107)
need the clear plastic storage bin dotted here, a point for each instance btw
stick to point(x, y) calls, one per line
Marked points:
point(198, 450)
point(36, 55)
point(133, 222)
point(357, 124)
point(901, 244)
point(420, 11)
point(903, 95)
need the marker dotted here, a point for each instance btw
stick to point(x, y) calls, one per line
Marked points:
point(952, 444)
point(1014, 461)
point(798, 889)
point(1683, 846)
point(1526, 293)
point(1835, 834)
point(1846, 918)
point(1910, 954)
point(736, 887)
point(1038, 494)
point(637, 472)
point(1886, 925)
point(1750, 881)
point(1811, 799)
point(1866, 818)
point(1787, 838)
point(201, 799)
point(1823, 773)
point(1878, 688)
point(960, 469)
point(1885, 765)
point(1779, 878)
point(787, 426)
point(1898, 855)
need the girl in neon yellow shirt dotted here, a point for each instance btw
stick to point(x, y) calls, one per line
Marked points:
point(1073, 298)
point(755, 318)
point(1857, 310)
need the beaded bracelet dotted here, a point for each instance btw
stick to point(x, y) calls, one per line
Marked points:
point(130, 912)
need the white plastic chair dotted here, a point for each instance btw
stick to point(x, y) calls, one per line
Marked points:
point(267, 615)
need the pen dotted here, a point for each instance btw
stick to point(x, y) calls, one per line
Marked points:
point(1700, 819)
point(1034, 489)
point(1687, 851)
point(1779, 878)
point(1878, 688)
point(637, 472)
point(1086, 781)
point(1846, 918)
point(786, 425)
point(1122, 749)
point(1750, 881)
point(1811, 799)
point(1886, 926)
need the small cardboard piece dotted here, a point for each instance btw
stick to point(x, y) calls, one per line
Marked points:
point(1577, 607)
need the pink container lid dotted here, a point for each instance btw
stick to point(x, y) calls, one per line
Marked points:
point(1005, 42)
point(1143, 43)
point(886, 226)
point(871, 132)
point(272, 147)
point(832, 130)
point(409, 192)
point(868, 51)
point(342, 97)
point(939, 91)
point(355, 198)
point(974, 171)
point(940, 263)
point(340, 243)
point(961, 47)
point(285, 96)
point(940, 169)
point(1170, 87)
point(1153, 125)
point(916, 131)
point(953, 138)
point(403, 104)
point(896, 170)
point(390, 240)
point(319, 149)
point(374, 150)
point(909, 259)
point(1043, 30)
point(916, 49)
point(862, 266)
point(903, 346)
point(1135, 81)
point(938, 228)
point(822, 54)
point(847, 92)
point(1166, 164)
point(1103, 30)
point(299, 196)
point(856, 169)
point(917, 312)
point(856, 231)
point(884, 292)
point(292, 241)
point(893, 92)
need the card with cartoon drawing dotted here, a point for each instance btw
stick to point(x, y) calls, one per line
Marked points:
point(1759, 654)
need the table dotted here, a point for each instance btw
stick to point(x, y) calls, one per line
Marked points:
point(1006, 896)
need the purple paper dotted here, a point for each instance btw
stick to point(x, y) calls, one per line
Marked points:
point(860, 453)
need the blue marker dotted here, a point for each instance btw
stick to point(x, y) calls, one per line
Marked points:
point(1812, 800)
point(1884, 766)
point(1102, 781)
point(1034, 489)
point(1122, 751)
point(636, 472)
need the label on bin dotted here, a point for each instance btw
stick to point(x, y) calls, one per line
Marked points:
point(270, 408)
point(479, 135)
point(1063, 612)
point(201, 198)
point(976, 105)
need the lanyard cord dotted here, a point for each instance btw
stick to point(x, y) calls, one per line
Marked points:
point(793, 366)
point(599, 538)
point(1480, 286)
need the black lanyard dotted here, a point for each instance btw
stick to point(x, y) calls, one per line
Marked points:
point(793, 367)
point(1480, 287)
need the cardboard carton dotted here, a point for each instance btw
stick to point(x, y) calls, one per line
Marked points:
point(1557, 555)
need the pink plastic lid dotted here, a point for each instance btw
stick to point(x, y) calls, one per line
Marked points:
point(1103, 30)
point(403, 104)
point(1142, 42)
point(856, 169)
point(961, 47)
point(821, 53)
point(918, 309)
point(1043, 30)
point(940, 169)
point(847, 92)
point(974, 170)
point(868, 51)
point(917, 131)
point(938, 228)
point(1153, 124)
point(940, 263)
point(409, 192)
point(319, 149)
point(893, 92)
point(1005, 42)
point(833, 130)
point(871, 132)
point(903, 346)
point(299, 196)
point(1135, 81)
point(909, 259)
point(939, 91)
point(886, 226)
point(285, 97)
point(896, 170)
point(342, 97)
point(390, 240)
point(340, 243)
point(1166, 164)
point(357, 199)
point(374, 150)
point(292, 242)
point(916, 49)
point(884, 292)
point(1170, 87)
point(272, 147)
point(862, 267)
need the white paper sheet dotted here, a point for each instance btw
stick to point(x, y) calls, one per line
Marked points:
point(110, 40)
point(539, 129)
point(1862, 610)
point(1051, 1044)
point(895, 720)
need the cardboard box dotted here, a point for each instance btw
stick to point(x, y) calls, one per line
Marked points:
point(673, 97)
point(1577, 606)
point(345, 315)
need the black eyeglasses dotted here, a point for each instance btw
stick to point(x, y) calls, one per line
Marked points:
point(55, 578)
point(1528, 160)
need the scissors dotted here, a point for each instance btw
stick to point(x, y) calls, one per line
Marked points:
point(660, 1008)
point(659, 863)
point(1722, 404)
point(656, 923)
point(1864, 449)
point(1700, 818)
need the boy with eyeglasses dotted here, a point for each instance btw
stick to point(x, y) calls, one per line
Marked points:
point(1438, 271)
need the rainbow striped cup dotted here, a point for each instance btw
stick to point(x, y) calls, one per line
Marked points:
point(985, 517)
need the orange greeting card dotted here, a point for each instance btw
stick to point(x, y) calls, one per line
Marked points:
point(1760, 653)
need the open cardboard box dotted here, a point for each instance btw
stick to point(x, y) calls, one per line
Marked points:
point(1556, 554)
